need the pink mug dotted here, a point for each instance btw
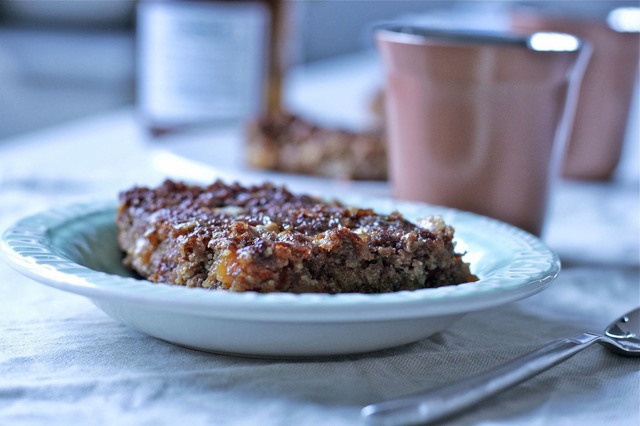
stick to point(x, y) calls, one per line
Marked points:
point(475, 120)
point(595, 144)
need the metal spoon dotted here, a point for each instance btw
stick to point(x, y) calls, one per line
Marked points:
point(621, 337)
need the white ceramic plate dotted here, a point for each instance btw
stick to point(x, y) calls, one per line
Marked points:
point(74, 249)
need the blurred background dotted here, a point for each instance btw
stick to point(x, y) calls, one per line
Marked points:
point(64, 59)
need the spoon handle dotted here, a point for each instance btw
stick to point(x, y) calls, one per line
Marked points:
point(438, 403)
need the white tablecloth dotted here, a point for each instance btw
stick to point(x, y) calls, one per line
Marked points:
point(64, 362)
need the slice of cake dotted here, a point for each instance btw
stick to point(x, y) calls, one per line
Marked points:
point(289, 143)
point(264, 238)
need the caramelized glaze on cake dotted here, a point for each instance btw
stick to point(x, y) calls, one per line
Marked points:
point(264, 238)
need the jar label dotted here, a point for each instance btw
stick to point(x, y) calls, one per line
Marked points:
point(201, 61)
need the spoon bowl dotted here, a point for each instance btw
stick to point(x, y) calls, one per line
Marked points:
point(623, 335)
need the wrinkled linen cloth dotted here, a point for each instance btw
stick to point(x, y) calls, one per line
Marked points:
point(64, 362)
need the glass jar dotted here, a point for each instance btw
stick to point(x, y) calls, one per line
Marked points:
point(201, 62)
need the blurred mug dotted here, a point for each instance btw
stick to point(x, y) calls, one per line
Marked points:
point(475, 119)
point(596, 141)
